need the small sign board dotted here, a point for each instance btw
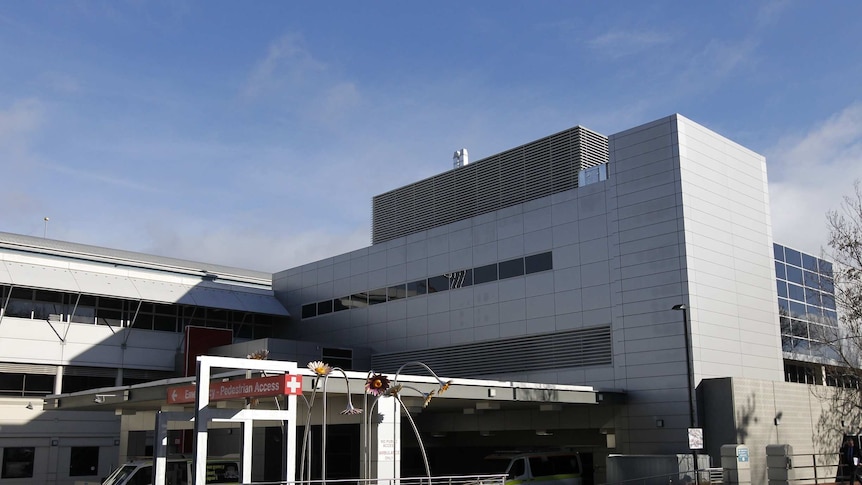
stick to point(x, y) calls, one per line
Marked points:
point(257, 387)
point(742, 455)
point(695, 438)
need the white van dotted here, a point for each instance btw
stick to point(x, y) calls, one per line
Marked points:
point(549, 468)
point(178, 472)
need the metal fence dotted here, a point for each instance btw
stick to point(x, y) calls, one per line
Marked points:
point(439, 480)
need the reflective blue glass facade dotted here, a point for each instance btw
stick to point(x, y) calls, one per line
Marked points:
point(806, 301)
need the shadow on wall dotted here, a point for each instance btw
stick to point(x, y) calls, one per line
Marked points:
point(746, 417)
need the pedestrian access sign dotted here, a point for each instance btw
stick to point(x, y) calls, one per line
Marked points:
point(280, 385)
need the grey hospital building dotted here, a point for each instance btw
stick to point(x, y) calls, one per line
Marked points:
point(560, 262)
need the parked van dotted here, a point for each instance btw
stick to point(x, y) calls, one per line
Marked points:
point(549, 468)
point(178, 472)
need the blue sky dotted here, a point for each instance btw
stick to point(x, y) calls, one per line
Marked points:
point(254, 134)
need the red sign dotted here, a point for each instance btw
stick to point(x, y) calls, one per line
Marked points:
point(258, 387)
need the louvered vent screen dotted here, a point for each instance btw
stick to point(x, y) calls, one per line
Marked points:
point(528, 172)
point(574, 348)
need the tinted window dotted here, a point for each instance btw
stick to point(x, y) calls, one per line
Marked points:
point(792, 257)
point(782, 289)
point(794, 274)
point(359, 300)
point(460, 279)
point(397, 292)
point(484, 274)
point(438, 283)
point(18, 462)
point(309, 310)
point(377, 296)
point(417, 288)
point(809, 262)
point(511, 268)
point(778, 251)
point(324, 307)
point(796, 292)
point(342, 303)
point(780, 272)
point(538, 262)
point(84, 461)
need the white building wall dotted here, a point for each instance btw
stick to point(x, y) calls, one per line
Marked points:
point(682, 218)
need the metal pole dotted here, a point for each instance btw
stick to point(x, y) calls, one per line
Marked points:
point(692, 418)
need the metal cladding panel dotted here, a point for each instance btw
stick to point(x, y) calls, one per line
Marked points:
point(158, 291)
point(108, 285)
point(267, 304)
point(215, 298)
point(35, 276)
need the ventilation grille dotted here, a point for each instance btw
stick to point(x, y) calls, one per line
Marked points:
point(531, 171)
point(575, 348)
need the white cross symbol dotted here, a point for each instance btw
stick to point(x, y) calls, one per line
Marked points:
point(294, 384)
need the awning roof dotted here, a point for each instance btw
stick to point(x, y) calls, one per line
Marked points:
point(204, 293)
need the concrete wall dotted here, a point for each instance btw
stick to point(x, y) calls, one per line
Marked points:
point(744, 411)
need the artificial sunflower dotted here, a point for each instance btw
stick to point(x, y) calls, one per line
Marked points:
point(444, 386)
point(377, 384)
point(320, 368)
point(428, 397)
point(261, 354)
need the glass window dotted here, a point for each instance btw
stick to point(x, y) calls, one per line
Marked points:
point(342, 358)
point(359, 300)
point(38, 384)
point(797, 309)
point(538, 262)
point(812, 297)
point(396, 292)
point(11, 384)
point(342, 303)
point(783, 307)
point(377, 296)
point(793, 257)
point(511, 268)
point(484, 274)
point(778, 250)
point(437, 284)
point(73, 383)
point(324, 307)
point(809, 262)
point(812, 280)
point(780, 272)
point(798, 328)
point(794, 275)
point(460, 279)
point(309, 310)
point(782, 289)
point(828, 301)
point(796, 292)
point(825, 268)
point(84, 461)
point(417, 288)
point(18, 462)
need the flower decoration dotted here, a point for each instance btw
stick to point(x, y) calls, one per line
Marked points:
point(350, 410)
point(377, 384)
point(394, 390)
point(444, 386)
point(261, 354)
point(428, 397)
point(320, 368)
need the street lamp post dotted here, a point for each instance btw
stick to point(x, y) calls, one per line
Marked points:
point(692, 418)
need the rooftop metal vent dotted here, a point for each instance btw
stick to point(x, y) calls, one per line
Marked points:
point(460, 158)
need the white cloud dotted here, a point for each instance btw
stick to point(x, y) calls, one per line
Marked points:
point(809, 175)
point(620, 43)
point(287, 63)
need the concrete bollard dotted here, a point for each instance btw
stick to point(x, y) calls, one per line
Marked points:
point(735, 465)
point(779, 464)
